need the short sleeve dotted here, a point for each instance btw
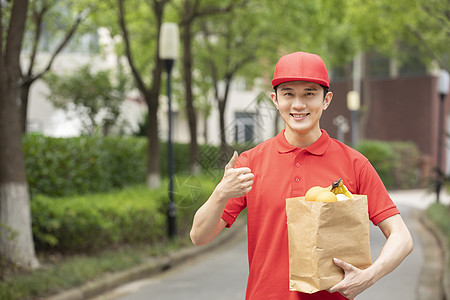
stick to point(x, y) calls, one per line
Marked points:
point(236, 205)
point(380, 203)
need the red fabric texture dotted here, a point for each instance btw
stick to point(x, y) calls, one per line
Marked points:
point(283, 171)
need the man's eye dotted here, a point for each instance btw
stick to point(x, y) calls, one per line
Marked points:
point(309, 94)
point(288, 94)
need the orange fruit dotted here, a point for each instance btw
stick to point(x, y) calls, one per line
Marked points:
point(312, 193)
point(326, 196)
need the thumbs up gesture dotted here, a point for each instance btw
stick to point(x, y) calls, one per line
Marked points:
point(236, 182)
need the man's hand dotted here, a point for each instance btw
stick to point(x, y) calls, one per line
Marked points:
point(208, 222)
point(398, 245)
point(236, 182)
point(355, 280)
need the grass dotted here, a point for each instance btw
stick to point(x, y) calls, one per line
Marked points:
point(58, 273)
point(62, 271)
point(439, 214)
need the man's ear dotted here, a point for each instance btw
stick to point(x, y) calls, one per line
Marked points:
point(274, 99)
point(327, 100)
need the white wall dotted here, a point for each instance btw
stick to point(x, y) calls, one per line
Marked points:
point(240, 100)
point(46, 119)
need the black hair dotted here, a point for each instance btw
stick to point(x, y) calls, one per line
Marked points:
point(325, 90)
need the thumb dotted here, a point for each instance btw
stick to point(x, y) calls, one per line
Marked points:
point(343, 265)
point(232, 161)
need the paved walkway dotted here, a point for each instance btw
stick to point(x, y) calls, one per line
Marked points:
point(419, 198)
point(225, 270)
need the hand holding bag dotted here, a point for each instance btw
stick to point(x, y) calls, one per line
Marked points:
point(319, 232)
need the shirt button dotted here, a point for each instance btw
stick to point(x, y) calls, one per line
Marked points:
point(297, 179)
point(297, 164)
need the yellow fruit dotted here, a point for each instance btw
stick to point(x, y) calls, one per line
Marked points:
point(338, 187)
point(326, 196)
point(312, 193)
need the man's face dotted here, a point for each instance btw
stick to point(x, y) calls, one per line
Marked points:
point(301, 104)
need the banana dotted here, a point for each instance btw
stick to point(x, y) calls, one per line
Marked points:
point(346, 192)
point(338, 187)
point(337, 191)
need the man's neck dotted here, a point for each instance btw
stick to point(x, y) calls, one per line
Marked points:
point(301, 140)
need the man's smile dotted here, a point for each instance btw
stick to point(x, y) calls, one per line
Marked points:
point(299, 115)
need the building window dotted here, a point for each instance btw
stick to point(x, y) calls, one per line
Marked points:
point(244, 130)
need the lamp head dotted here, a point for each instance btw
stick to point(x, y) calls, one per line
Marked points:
point(169, 41)
point(443, 82)
point(353, 101)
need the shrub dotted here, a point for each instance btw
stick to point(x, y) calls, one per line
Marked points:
point(380, 155)
point(406, 163)
point(67, 166)
point(59, 167)
point(397, 163)
point(130, 216)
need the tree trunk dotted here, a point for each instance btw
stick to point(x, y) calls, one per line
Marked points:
point(192, 115)
point(153, 162)
point(24, 91)
point(16, 239)
point(152, 99)
point(223, 139)
point(225, 152)
point(151, 95)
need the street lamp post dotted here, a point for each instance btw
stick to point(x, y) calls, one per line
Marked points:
point(353, 105)
point(442, 87)
point(168, 52)
point(342, 127)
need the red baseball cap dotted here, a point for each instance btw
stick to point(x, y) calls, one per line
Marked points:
point(300, 66)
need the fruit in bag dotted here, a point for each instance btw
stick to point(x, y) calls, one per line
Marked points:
point(337, 191)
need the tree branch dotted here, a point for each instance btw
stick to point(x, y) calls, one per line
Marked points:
point(158, 6)
point(190, 13)
point(37, 19)
point(212, 10)
point(129, 56)
point(178, 6)
point(427, 48)
point(61, 46)
point(212, 65)
point(1, 36)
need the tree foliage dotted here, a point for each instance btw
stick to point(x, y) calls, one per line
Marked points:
point(93, 96)
point(386, 26)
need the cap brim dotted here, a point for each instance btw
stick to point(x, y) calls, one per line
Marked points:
point(281, 80)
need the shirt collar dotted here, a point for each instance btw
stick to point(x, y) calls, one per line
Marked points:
point(317, 148)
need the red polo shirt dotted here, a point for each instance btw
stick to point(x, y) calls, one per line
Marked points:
point(283, 171)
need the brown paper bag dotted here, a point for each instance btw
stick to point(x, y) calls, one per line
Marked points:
point(320, 231)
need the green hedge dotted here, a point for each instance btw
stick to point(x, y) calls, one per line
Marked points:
point(131, 215)
point(396, 162)
point(89, 192)
point(105, 212)
point(68, 166)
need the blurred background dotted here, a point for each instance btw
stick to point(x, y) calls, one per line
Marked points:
point(102, 144)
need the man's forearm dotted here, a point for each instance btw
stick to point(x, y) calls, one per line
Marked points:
point(236, 182)
point(208, 219)
point(398, 246)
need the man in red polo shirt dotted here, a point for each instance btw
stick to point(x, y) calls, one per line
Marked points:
point(299, 157)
